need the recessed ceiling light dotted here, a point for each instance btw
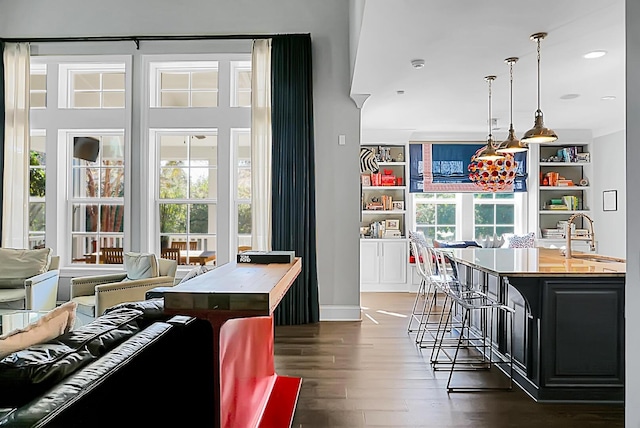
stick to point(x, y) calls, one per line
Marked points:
point(608, 97)
point(594, 54)
point(569, 96)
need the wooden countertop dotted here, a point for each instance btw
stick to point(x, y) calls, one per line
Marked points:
point(538, 262)
point(245, 288)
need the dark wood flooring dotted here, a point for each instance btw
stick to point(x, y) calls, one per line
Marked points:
point(371, 374)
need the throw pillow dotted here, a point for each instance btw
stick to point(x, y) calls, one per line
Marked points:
point(202, 269)
point(46, 328)
point(522, 241)
point(140, 265)
point(17, 263)
point(68, 308)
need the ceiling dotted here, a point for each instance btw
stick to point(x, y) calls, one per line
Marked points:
point(463, 41)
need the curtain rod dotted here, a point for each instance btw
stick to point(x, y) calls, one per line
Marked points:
point(138, 39)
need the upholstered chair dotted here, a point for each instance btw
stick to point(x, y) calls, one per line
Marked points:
point(143, 272)
point(28, 279)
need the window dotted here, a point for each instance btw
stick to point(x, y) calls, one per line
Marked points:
point(242, 144)
point(37, 189)
point(436, 215)
point(92, 86)
point(181, 177)
point(38, 86)
point(493, 213)
point(97, 198)
point(187, 193)
point(241, 83)
point(185, 84)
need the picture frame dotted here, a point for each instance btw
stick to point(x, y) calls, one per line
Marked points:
point(609, 200)
point(392, 224)
point(365, 179)
point(398, 205)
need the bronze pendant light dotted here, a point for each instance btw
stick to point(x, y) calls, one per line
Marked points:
point(489, 152)
point(539, 134)
point(511, 144)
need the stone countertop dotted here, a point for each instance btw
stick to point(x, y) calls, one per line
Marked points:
point(538, 262)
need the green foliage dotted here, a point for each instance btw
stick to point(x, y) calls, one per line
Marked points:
point(37, 176)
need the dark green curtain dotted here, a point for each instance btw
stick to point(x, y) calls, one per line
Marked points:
point(293, 176)
point(2, 117)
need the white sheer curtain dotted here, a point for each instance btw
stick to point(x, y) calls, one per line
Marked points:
point(261, 145)
point(15, 204)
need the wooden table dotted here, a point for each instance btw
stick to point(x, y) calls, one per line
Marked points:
point(238, 300)
point(568, 323)
point(197, 256)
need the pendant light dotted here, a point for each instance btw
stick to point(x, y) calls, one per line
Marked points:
point(539, 134)
point(489, 152)
point(511, 144)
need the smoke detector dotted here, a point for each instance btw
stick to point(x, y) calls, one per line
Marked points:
point(417, 63)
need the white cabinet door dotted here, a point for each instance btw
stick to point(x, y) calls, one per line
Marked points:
point(369, 263)
point(393, 256)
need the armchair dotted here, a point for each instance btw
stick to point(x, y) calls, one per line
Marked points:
point(143, 272)
point(28, 279)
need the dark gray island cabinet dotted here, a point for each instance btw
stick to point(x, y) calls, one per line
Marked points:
point(568, 330)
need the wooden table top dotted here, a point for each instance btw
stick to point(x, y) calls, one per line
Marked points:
point(253, 289)
point(537, 262)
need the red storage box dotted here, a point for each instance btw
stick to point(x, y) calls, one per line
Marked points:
point(388, 180)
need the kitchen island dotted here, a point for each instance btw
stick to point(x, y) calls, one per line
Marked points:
point(568, 330)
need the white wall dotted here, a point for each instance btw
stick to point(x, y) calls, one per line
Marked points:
point(337, 191)
point(609, 173)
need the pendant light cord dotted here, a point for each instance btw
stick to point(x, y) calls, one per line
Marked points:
point(538, 73)
point(511, 94)
point(490, 135)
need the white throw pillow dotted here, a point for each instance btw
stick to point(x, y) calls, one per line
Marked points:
point(140, 265)
point(202, 269)
point(17, 263)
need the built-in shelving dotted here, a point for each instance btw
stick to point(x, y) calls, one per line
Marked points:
point(570, 161)
point(384, 257)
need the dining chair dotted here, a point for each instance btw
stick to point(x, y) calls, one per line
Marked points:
point(180, 245)
point(112, 255)
point(171, 254)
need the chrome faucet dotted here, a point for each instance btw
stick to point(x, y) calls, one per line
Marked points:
point(590, 237)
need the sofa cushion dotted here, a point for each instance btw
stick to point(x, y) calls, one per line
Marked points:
point(152, 311)
point(28, 373)
point(11, 294)
point(20, 264)
point(140, 265)
point(86, 305)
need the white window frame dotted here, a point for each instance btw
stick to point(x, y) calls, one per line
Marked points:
point(38, 69)
point(223, 118)
point(234, 183)
point(236, 68)
point(65, 85)
point(56, 120)
point(465, 220)
point(186, 67)
point(67, 135)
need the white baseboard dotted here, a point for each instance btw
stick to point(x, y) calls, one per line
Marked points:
point(339, 313)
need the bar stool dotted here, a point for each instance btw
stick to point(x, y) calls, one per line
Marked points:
point(424, 305)
point(468, 299)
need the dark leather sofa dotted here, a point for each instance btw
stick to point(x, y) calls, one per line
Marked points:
point(133, 366)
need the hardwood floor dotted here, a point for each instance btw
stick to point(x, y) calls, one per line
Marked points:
point(371, 374)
